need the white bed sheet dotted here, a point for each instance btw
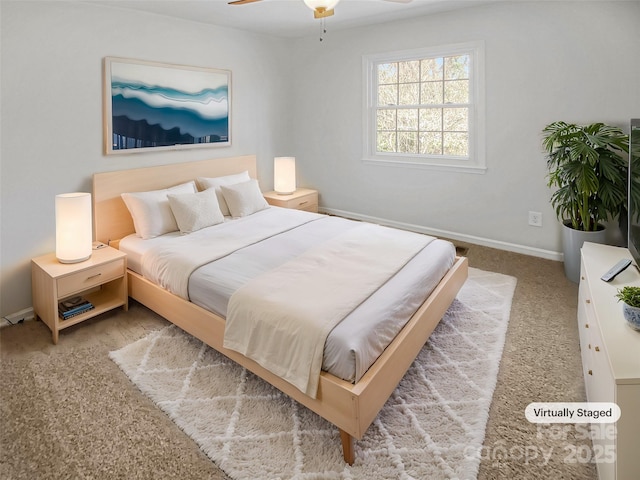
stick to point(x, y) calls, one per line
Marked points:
point(361, 337)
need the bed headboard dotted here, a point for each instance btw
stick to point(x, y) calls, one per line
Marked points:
point(111, 219)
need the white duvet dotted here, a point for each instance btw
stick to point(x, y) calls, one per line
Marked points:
point(281, 319)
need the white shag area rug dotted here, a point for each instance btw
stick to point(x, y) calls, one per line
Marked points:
point(432, 427)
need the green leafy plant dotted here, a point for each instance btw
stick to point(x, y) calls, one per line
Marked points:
point(588, 165)
point(629, 295)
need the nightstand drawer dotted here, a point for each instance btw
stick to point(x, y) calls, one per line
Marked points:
point(308, 202)
point(301, 199)
point(89, 278)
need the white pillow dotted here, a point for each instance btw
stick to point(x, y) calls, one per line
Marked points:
point(151, 212)
point(244, 198)
point(217, 182)
point(194, 211)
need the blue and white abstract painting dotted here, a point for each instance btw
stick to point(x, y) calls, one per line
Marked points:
point(151, 105)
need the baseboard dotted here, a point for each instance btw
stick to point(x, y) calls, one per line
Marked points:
point(17, 317)
point(485, 242)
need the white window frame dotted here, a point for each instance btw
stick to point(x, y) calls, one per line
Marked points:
point(475, 162)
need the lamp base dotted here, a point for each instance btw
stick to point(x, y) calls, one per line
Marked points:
point(285, 193)
point(75, 260)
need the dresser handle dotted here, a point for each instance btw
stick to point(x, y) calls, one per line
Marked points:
point(302, 203)
point(586, 325)
point(589, 346)
point(94, 276)
point(597, 349)
point(588, 301)
point(590, 372)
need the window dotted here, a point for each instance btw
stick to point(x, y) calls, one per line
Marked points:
point(426, 107)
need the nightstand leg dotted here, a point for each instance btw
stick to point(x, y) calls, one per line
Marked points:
point(54, 335)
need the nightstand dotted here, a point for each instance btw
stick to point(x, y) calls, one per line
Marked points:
point(102, 280)
point(301, 199)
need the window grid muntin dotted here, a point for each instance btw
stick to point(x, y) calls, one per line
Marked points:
point(445, 78)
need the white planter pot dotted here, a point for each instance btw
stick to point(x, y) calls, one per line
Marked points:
point(572, 241)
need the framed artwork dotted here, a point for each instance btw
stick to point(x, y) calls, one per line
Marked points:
point(151, 106)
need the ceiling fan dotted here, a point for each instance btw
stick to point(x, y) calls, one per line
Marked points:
point(321, 8)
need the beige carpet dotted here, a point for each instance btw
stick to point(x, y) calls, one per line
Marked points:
point(431, 427)
point(67, 411)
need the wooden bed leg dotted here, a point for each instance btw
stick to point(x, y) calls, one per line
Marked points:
point(348, 450)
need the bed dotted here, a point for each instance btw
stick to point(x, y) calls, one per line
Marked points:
point(348, 397)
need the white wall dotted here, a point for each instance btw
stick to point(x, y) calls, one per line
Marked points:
point(52, 110)
point(545, 61)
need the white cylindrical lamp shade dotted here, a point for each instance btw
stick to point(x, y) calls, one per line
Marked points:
point(284, 175)
point(74, 235)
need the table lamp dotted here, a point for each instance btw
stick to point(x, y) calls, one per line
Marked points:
point(73, 227)
point(284, 175)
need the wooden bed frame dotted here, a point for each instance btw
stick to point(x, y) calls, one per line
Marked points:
point(350, 407)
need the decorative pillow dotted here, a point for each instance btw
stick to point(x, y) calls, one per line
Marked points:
point(151, 212)
point(217, 182)
point(244, 198)
point(194, 211)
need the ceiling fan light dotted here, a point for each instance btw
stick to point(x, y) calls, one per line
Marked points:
point(321, 5)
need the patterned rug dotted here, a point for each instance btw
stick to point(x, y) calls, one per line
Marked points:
point(432, 426)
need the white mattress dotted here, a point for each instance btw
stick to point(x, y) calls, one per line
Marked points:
point(361, 337)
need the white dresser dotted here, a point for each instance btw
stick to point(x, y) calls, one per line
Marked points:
point(610, 359)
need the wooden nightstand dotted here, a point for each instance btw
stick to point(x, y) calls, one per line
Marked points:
point(102, 280)
point(301, 199)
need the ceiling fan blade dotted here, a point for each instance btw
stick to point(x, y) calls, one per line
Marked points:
point(242, 2)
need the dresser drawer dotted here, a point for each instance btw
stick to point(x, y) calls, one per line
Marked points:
point(89, 278)
point(601, 388)
point(586, 317)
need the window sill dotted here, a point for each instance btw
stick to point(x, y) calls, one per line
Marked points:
point(445, 167)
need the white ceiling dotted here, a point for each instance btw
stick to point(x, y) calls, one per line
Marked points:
point(289, 18)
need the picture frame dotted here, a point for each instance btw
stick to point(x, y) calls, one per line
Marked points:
point(152, 106)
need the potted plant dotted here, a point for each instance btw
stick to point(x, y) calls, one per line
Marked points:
point(588, 165)
point(630, 298)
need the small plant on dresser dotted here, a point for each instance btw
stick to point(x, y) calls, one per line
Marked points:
point(630, 298)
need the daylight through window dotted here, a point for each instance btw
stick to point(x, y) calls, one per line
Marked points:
point(425, 107)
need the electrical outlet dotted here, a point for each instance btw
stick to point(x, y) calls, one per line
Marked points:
point(535, 219)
